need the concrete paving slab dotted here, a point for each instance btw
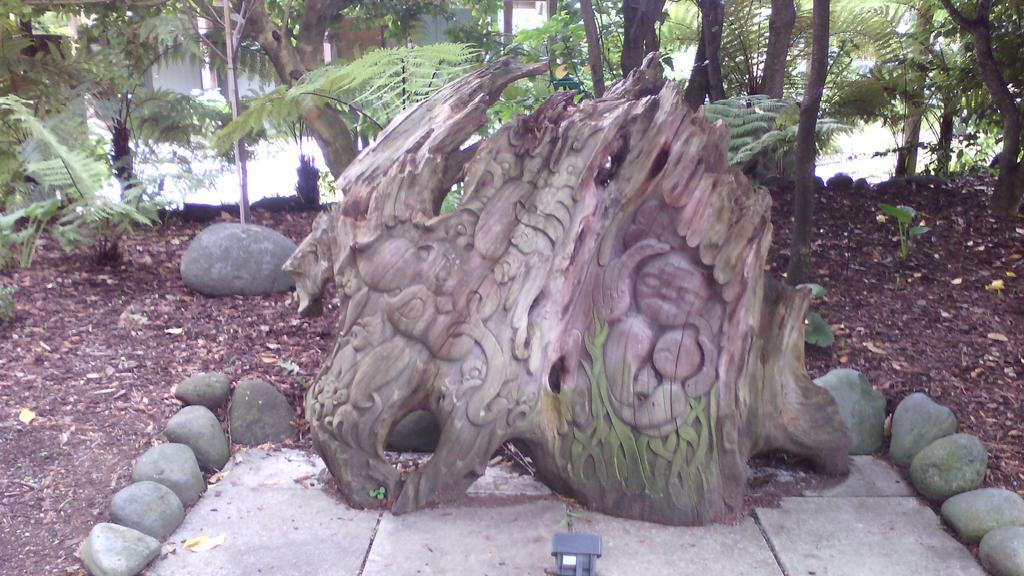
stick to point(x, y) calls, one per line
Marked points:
point(482, 540)
point(259, 468)
point(863, 537)
point(272, 522)
point(632, 548)
point(869, 477)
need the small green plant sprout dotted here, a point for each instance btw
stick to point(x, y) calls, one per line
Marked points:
point(6, 303)
point(817, 332)
point(288, 368)
point(379, 493)
point(904, 216)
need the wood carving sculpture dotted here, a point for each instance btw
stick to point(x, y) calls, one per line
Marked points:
point(599, 297)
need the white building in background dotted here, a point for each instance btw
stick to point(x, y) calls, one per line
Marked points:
point(272, 169)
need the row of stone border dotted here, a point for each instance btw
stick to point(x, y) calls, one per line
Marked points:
point(168, 478)
point(945, 467)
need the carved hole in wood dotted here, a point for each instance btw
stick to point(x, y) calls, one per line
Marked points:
point(613, 161)
point(556, 374)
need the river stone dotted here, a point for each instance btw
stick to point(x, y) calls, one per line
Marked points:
point(208, 389)
point(1002, 551)
point(974, 514)
point(840, 182)
point(417, 432)
point(949, 466)
point(917, 422)
point(112, 550)
point(861, 406)
point(259, 414)
point(174, 466)
point(198, 428)
point(232, 259)
point(148, 507)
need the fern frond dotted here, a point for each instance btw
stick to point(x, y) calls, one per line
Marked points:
point(380, 84)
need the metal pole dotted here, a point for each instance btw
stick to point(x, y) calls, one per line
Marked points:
point(243, 205)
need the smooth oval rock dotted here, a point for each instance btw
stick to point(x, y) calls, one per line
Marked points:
point(210, 389)
point(174, 466)
point(949, 466)
point(417, 432)
point(232, 259)
point(1002, 551)
point(974, 514)
point(861, 406)
point(112, 550)
point(259, 413)
point(917, 422)
point(199, 429)
point(149, 507)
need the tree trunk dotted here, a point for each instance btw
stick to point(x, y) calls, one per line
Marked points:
point(605, 308)
point(593, 47)
point(914, 98)
point(640, 31)
point(944, 144)
point(780, 32)
point(712, 19)
point(552, 8)
point(292, 58)
point(1010, 183)
point(506, 23)
point(906, 156)
point(806, 150)
point(706, 74)
point(697, 85)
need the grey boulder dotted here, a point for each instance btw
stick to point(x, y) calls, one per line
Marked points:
point(232, 259)
point(259, 414)
point(949, 466)
point(840, 182)
point(112, 550)
point(208, 389)
point(917, 422)
point(174, 466)
point(861, 406)
point(1002, 551)
point(974, 514)
point(148, 507)
point(417, 432)
point(198, 428)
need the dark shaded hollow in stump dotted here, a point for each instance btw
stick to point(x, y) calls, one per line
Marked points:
point(599, 297)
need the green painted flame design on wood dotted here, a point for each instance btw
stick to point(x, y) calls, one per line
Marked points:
point(679, 463)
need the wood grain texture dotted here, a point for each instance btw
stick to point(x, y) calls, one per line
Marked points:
point(598, 297)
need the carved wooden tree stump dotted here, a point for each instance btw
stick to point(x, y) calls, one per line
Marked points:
point(599, 297)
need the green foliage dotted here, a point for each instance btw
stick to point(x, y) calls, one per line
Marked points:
point(54, 186)
point(817, 332)
point(7, 303)
point(376, 87)
point(45, 157)
point(379, 493)
point(759, 123)
point(904, 216)
point(20, 230)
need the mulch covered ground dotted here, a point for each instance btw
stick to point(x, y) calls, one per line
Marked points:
point(94, 351)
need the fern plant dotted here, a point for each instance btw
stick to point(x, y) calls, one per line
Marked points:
point(759, 123)
point(375, 88)
point(63, 190)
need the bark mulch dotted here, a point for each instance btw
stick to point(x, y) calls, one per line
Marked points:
point(95, 350)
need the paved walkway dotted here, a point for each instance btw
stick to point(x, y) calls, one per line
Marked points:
point(277, 520)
